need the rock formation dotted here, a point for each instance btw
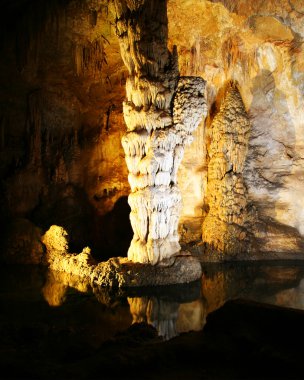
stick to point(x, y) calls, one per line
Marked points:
point(224, 229)
point(62, 84)
point(156, 132)
point(117, 272)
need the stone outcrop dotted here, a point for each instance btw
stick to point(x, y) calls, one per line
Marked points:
point(118, 272)
point(225, 227)
point(156, 132)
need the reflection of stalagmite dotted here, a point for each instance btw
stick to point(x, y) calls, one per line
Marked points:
point(161, 111)
point(224, 229)
point(169, 318)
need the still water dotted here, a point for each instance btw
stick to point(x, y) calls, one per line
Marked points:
point(35, 302)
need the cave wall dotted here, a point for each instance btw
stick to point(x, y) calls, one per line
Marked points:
point(259, 45)
point(62, 87)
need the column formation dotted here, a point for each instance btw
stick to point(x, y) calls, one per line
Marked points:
point(161, 111)
point(225, 227)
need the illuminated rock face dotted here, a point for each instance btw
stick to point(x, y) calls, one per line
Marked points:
point(118, 272)
point(224, 228)
point(258, 44)
point(62, 122)
point(161, 112)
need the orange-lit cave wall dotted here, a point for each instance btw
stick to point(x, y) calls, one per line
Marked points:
point(62, 86)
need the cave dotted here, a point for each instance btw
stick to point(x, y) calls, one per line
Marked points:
point(151, 189)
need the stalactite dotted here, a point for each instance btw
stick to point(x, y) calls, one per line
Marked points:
point(234, 53)
point(90, 57)
point(161, 112)
point(225, 227)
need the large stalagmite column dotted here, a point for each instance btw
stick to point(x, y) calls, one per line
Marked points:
point(225, 227)
point(161, 111)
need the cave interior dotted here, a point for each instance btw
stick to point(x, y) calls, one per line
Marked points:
point(152, 142)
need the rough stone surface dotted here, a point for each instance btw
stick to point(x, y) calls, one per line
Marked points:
point(156, 133)
point(61, 120)
point(117, 272)
point(258, 44)
point(225, 226)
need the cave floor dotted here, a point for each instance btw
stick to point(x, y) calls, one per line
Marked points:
point(242, 321)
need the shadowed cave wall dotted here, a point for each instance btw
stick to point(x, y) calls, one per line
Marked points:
point(61, 125)
point(62, 88)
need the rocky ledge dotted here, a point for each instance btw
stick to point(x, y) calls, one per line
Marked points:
point(117, 272)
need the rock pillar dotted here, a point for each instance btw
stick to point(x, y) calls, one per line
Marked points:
point(161, 111)
point(225, 229)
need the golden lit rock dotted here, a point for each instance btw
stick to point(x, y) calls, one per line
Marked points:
point(117, 272)
point(156, 131)
point(224, 228)
point(63, 115)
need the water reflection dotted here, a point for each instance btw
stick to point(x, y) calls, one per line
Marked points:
point(168, 317)
point(57, 285)
point(68, 304)
point(170, 310)
point(275, 283)
point(293, 298)
point(177, 309)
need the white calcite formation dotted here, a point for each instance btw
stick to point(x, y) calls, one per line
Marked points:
point(224, 229)
point(161, 111)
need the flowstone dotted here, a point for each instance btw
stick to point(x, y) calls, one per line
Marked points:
point(161, 112)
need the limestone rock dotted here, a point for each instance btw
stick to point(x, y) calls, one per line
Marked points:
point(258, 44)
point(120, 272)
point(55, 239)
point(156, 133)
point(224, 228)
point(117, 272)
point(63, 82)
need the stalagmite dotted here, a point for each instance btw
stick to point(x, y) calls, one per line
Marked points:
point(225, 227)
point(161, 112)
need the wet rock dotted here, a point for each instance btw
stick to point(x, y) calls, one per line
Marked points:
point(117, 272)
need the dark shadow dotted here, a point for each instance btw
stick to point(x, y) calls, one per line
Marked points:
point(113, 232)
point(67, 206)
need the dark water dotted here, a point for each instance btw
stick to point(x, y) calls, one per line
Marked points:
point(36, 303)
point(54, 326)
